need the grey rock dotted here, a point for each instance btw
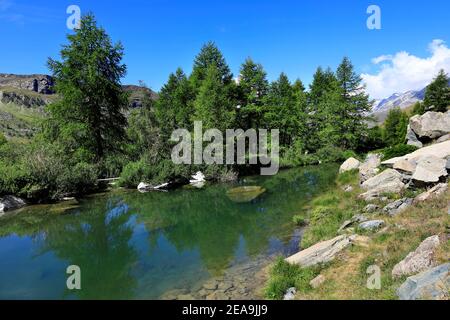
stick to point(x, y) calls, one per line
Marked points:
point(412, 138)
point(419, 260)
point(434, 192)
point(10, 203)
point(439, 150)
point(317, 281)
point(433, 284)
point(321, 252)
point(369, 168)
point(443, 138)
point(349, 164)
point(372, 225)
point(398, 206)
point(430, 169)
point(431, 125)
point(356, 219)
point(370, 208)
point(389, 181)
point(290, 294)
point(39, 83)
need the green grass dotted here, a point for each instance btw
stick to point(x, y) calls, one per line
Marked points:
point(284, 276)
point(19, 122)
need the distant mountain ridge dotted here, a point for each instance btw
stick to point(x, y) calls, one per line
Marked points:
point(400, 100)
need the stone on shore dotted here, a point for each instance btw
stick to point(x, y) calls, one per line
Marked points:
point(431, 284)
point(419, 260)
point(321, 252)
point(10, 203)
point(349, 164)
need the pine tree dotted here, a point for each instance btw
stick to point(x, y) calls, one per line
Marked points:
point(395, 127)
point(282, 110)
point(252, 88)
point(437, 95)
point(356, 105)
point(89, 118)
point(210, 55)
point(212, 105)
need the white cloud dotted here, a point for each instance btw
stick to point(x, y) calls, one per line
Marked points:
point(403, 71)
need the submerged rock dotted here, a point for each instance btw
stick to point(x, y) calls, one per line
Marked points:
point(245, 194)
point(321, 252)
point(431, 284)
point(349, 164)
point(419, 260)
point(10, 203)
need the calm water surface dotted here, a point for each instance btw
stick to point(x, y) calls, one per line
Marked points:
point(156, 245)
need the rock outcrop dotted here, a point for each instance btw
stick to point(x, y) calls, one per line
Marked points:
point(349, 164)
point(419, 260)
point(431, 284)
point(39, 83)
point(439, 150)
point(321, 252)
point(372, 225)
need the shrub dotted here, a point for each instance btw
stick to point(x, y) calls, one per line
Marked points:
point(2, 139)
point(134, 173)
point(299, 221)
point(397, 151)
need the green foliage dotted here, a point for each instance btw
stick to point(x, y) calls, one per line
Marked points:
point(397, 151)
point(299, 220)
point(395, 127)
point(2, 139)
point(89, 116)
point(418, 108)
point(284, 276)
point(437, 95)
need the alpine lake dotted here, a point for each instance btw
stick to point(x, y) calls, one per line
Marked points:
point(189, 243)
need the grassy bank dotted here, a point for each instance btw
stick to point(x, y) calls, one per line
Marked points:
point(346, 277)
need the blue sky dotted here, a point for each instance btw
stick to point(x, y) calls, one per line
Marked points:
point(285, 36)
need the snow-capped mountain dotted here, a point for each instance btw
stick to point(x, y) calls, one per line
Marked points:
point(401, 100)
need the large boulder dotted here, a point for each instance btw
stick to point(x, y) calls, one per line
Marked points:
point(439, 150)
point(10, 203)
point(389, 181)
point(407, 166)
point(419, 260)
point(431, 125)
point(321, 252)
point(430, 169)
point(369, 168)
point(349, 164)
point(431, 284)
point(434, 192)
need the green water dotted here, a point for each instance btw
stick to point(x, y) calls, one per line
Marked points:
point(141, 246)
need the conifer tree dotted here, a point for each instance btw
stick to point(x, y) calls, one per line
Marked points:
point(437, 94)
point(89, 118)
